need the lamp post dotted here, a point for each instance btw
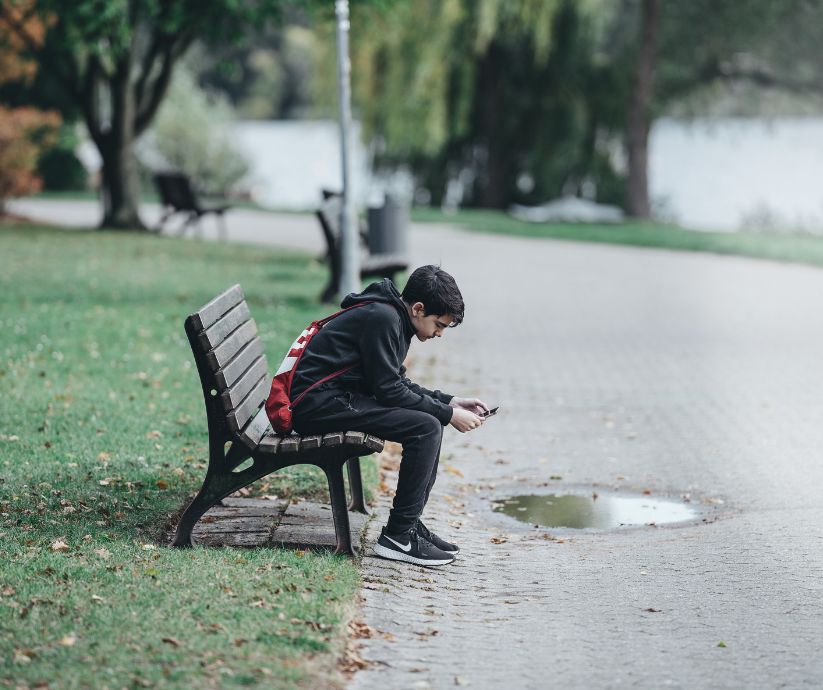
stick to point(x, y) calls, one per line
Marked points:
point(349, 244)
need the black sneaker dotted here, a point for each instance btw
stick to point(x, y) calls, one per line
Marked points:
point(411, 548)
point(441, 544)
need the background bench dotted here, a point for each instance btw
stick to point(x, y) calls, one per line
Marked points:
point(177, 196)
point(371, 265)
point(235, 381)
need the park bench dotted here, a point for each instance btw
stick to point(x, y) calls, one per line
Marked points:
point(177, 196)
point(371, 265)
point(242, 445)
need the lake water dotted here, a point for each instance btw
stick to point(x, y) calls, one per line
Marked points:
point(730, 173)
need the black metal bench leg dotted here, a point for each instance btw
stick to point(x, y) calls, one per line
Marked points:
point(208, 495)
point(358, 503)
point(337, 493)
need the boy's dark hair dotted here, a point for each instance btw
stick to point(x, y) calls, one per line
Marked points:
point(437, 290)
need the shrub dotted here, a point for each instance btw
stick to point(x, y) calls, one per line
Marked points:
point(191, 134)
point(24, 134)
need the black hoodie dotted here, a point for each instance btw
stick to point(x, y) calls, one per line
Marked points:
point(375, 338)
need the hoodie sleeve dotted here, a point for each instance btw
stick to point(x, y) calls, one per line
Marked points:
point(380, 351)
point(417, 388)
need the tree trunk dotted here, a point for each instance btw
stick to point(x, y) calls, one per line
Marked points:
point(640, 113)
point(120, 184)
point(494, 170)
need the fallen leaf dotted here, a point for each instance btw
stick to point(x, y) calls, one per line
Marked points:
point(68, 640)
point(9, 591)
point(162, 484)
point(647, 492)
point(154, 434)
point(173, 641)
point(96, 598)
point(555, 477)
point(498, 540)
point(453, 470)
point(59, 545)
point(360, 630)
point(178, 471)
point(721, 644)
point(653, 610)
point(23, 656)
point(103, 552)
point(149, 547)
point(104, 456)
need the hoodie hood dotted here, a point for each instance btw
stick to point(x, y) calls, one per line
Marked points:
point(386, 292)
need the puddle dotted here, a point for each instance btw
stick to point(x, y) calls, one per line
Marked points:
point(604, 512)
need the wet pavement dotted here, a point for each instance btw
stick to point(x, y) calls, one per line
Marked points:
point(618, 370)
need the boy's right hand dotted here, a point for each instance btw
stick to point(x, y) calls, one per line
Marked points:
point(464, 421)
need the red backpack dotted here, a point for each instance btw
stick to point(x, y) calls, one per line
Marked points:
point(279, 405)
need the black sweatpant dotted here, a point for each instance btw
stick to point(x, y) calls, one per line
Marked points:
point(420, 434)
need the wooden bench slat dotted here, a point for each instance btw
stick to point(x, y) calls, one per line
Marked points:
point(234, 396)
point(224, 352)
point(269, 444)
point(309, 442)
point(383, 262)
point(289, 444)
point(355, 437)
point(333, 439)
point(206, 316)
point(376, 444)
point(241, 362)
point(224, 326)
point(256, 429)
point(249, 406)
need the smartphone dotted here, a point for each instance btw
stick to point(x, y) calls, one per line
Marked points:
point(492, 411)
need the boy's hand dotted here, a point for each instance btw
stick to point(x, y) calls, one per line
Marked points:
point(464, 420)
point(471, 404)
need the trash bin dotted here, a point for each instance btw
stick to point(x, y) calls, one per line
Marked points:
point(388, 228)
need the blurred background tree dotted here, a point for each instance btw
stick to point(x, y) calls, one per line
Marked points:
point(114, 61)
point(25, 132)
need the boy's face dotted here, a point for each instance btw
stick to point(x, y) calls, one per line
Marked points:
point(431, 326)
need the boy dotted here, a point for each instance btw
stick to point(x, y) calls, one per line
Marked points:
point(375, 396)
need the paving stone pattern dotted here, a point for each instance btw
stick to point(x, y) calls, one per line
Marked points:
point(617, 370)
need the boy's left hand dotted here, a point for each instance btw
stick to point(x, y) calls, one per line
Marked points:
point(471, 404)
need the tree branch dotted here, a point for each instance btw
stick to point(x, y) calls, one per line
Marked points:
point(148, 104)
point(88, 102)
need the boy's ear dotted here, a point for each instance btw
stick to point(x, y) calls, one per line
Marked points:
point(418, 309)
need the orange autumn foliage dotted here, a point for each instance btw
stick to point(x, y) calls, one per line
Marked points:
point(18, 21)
point(25, 133)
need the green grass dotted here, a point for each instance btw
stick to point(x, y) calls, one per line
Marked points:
point(103, 438)
point(777, 247)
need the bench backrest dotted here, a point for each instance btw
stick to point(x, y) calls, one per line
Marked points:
point(231, 362)
point(175, 191)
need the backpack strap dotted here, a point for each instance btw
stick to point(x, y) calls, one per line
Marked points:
point(335, 374)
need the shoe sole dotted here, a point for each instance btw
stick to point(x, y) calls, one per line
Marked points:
point(391, 554)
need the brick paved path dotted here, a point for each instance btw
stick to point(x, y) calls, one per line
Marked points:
point(680, 373)
point(625, 368)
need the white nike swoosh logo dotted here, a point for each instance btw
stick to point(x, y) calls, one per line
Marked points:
point(406, 547)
